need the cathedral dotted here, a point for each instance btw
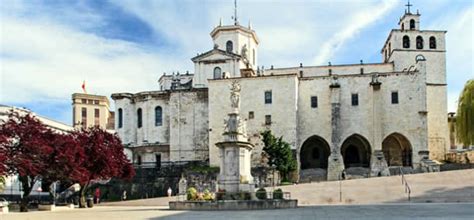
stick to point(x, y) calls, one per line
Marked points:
point(366, 116)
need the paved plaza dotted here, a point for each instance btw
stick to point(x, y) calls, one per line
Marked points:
point(386, 212)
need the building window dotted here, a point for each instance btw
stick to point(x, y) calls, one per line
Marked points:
point(389, 47)
point(406, 41)
point(314, 101)
point(96, 116)
point(96, 102)
point(139, 118)
point(120, 118)
point(268, 97)
point(419, 42)
point(84, 117)
point(158, 116)
point(217, 73)
point(403, 26)
point(229, 46)
point(394, 97)
point(268, 119)
point(412, 24)
point(251, 115)
point(330, 71)
point(432, 42)
point(361, 70)
point(84, 101)
point(355, 99)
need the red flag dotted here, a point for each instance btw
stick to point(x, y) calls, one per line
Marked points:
point(84, 86)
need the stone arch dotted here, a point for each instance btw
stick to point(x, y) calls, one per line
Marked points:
point(356, 151)
point(397, 150)
point(314, 153)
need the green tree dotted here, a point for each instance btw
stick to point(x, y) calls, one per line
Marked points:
point(465, 115)
point(279, 154)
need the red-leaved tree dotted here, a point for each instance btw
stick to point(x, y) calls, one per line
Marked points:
point(104, 158)
point(27, 149)
point(64, 162)
point(3, 155)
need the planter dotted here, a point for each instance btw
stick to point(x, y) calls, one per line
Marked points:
point(46, 207)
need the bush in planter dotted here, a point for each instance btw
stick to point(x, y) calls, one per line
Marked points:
point(191, 193)
point(207, 196)
point(278, 194)
point(261, 193)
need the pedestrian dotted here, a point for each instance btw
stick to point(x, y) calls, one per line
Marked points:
point(170, 191)
point(124, 195)
point(97, 195)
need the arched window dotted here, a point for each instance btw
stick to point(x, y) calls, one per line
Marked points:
point(412, 24)
point(389, 47)
point(406, 42)
point(217, 73)
point(158, 116)
point(139, 118)
point(229, 46)
point(120, 118)
point(419, 42)
point(432, 42)
point(403, 26)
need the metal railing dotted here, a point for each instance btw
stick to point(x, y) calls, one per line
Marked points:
point(405, 184)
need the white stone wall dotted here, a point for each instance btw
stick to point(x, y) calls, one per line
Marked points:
point(189, 125)
point(350, 69)
point(282, 110)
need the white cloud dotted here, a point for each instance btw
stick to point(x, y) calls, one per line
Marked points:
point(42, 61)
point(358, 21)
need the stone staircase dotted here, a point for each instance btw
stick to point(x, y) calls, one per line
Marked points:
point(450, 186)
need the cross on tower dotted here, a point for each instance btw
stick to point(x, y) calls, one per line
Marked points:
point(408, 6)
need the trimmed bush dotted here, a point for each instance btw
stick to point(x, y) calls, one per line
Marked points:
point(261, 194)
point(191, 193)
point(207, 195)
point(278, 194)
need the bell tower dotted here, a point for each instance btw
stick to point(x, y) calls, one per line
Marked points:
point(235, 49)
point(403, 47)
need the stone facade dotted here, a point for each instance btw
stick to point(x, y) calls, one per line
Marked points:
point(336, 117)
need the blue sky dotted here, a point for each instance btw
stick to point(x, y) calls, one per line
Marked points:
point(49, 47)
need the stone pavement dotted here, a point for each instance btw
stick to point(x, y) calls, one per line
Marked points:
point(449, 186)
point(365, 212)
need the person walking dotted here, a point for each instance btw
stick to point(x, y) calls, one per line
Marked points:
point(124, 195)
point(170, 191)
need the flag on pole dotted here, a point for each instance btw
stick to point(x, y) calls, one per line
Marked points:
point(84, 86)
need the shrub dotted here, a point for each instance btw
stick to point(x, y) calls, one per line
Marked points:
point(278, 194)
point(261, 193)
point(191, 194)
point(207, 195)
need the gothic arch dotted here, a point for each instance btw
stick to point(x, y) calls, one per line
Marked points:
point(314, 153)
point(356, 151)
point(397, 150)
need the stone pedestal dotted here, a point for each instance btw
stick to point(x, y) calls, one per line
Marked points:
point(235, 167)
point(378, 164)
point(335, 166)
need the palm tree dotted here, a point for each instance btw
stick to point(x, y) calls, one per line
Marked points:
point(465, 115)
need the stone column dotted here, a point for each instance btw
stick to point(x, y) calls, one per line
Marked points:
point(335, 160)
point(378, 163)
